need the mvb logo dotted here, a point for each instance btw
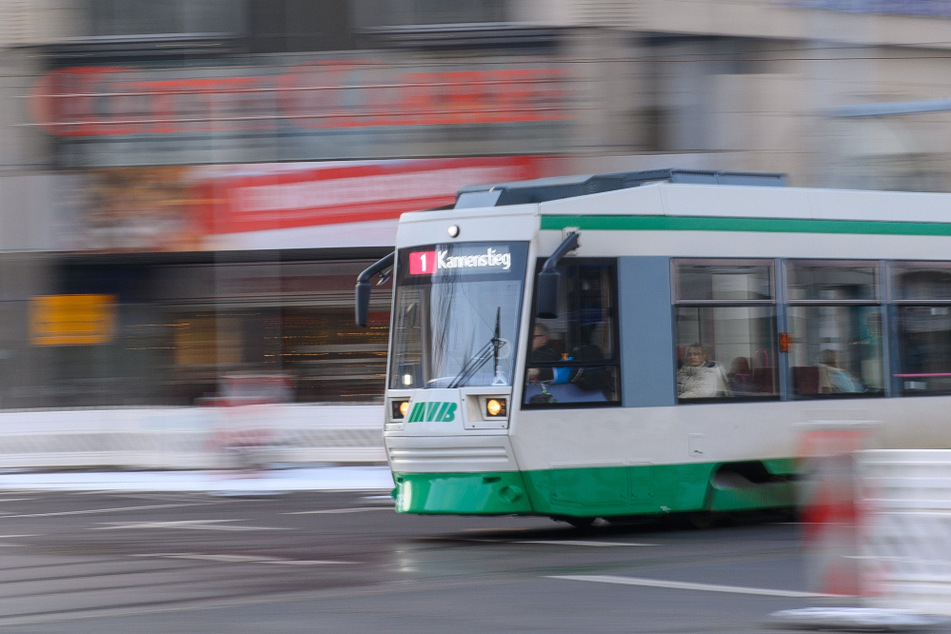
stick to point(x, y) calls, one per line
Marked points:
point(433, 412)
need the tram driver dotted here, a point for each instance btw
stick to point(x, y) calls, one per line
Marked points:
point(542, 350)
point(699, 378)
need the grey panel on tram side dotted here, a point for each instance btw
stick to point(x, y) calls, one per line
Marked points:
point(646, 334)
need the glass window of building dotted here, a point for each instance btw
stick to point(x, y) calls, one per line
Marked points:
point(283, 26)
point(725, 333)
point(148, 17)
point(382, 13)
point(922, 292)
point(835, 328)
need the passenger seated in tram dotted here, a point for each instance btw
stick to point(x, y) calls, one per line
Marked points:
point(832, 378)
point(699, 378)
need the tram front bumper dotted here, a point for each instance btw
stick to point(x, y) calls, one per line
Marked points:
point(500, 493)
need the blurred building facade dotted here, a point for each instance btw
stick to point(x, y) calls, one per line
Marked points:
point(189, 189)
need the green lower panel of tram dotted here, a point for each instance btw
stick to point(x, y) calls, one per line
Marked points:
point(501, 493)
point(601, 491)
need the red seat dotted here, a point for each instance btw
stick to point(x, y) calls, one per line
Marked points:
point(763, 381)
point(805, 380)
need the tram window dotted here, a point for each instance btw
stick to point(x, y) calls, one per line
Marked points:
point(922, 282)
point(834, 320)
point(826, 282)
point(924, 349)
point(924, 328)
point(700, 282)
point(725, 321)
point(572, 360)
point(737, 352)
point(835, 350)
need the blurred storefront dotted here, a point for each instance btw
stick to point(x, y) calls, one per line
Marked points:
point(188, 190)
point(217, 185)
point(163, 280)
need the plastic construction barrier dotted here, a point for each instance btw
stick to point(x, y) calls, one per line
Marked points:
point(831, 512)
point(877, 535)
point(905, 544)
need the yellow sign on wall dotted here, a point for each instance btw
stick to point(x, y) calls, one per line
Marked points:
point(72, 320)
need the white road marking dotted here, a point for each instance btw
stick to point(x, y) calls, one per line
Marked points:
point(684, 585)
point(559, 542)
point(253, 559)
point(12, 545)
point(306, 562)
point(578, 542)
point(116, 509)
point(195, 525)
point(356, 509)
point(496, 530)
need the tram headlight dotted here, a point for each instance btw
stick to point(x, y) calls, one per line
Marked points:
point(495, 408)
point(398, 409)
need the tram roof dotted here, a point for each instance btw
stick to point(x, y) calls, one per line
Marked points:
point(557, 188)
point(676, 192)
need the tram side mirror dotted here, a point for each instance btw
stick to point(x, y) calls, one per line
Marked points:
point(362, 303)
point(362, 289)
point(548, 285)
point(549, 282)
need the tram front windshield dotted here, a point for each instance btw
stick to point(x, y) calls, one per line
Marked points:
point(456, 314)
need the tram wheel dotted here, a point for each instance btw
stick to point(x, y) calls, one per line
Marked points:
point(577, 522)
point(701, 519)
point(581, 523)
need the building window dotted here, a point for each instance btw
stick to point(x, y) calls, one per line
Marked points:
point(148, 17)
point(283, 26)
point(382, 13)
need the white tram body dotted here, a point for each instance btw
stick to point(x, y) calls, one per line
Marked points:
point(802, 305)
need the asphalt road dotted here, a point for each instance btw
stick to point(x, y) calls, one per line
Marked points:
point(345, 562)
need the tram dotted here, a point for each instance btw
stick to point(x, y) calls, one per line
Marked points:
point(655, 342)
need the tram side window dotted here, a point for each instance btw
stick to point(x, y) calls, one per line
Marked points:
point(725, 321)
point(572, 360)
point(923, 298)
point(835, 326)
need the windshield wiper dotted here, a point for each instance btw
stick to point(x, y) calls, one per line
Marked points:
point(490, 350)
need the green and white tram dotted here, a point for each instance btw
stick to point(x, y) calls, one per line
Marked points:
point(693, 321)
